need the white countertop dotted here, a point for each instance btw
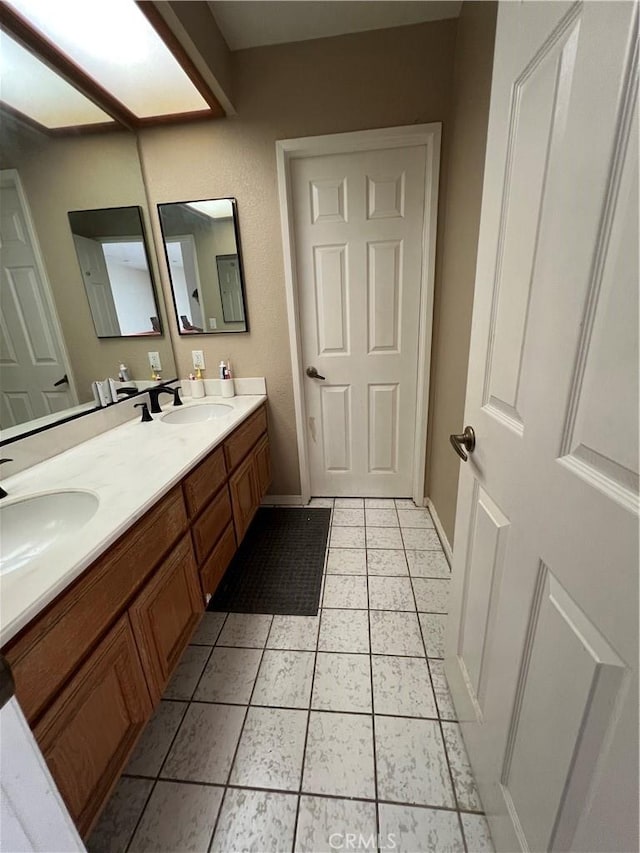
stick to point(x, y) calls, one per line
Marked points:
point(129, 468)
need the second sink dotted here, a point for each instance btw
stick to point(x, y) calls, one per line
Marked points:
point(32, 525)
point(196, 414)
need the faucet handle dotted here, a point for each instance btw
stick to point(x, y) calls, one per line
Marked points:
point(2, 461)
point(176, 396)
point(145, 412)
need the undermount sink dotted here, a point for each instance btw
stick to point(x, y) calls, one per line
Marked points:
point(30, 526)
point(196, 414)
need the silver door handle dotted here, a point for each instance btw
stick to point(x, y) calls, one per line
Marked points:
point(312, 373)
point(467, 440)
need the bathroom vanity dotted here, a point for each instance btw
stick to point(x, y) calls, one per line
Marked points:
point(92, 663)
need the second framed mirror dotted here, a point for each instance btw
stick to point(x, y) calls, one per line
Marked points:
point(202, 246)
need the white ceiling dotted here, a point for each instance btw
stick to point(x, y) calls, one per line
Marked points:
point(131, 252)
point(251, 23)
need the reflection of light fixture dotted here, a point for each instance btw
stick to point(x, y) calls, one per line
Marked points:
point(35, 90)
point(216, 208)
point(110, 49)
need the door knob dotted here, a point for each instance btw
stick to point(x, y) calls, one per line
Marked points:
point(63, 381)
point(467, 440)
point(312, 373)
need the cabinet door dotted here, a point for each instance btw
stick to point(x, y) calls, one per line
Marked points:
point(212, 572)
point(87, 734)
point(244, 495)
point(211, 524)
point(263, 466)
point(200, 485)
point(165, 615)
point(240, 442)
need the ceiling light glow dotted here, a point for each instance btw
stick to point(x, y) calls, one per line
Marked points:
point(114, 43)
point(33, 89)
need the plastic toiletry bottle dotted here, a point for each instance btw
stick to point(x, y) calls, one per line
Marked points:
point(123, 373)
point(227, 387)
point(222, 369)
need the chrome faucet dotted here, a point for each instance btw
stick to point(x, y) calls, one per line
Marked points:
point(3, 494)
point(154, 394)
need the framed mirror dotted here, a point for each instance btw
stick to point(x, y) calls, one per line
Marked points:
point(114, 265)
point(202, 247)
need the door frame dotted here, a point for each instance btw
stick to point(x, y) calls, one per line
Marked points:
point(407, 136)
point(11, 177)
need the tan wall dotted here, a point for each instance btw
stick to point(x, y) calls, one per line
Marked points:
point(376, 79)
point(462, 196)
point(78, 173)
point(217, 240)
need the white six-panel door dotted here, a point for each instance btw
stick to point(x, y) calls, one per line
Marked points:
point(542, 639)
point(358, 230)
point(32, 355)
point(97, 285)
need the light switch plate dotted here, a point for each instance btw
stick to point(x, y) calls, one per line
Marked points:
point(213, 323)
point(154, 361)
point(198, 358)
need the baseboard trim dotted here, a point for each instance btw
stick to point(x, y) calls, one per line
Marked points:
point(283, 500)
point(446, 546)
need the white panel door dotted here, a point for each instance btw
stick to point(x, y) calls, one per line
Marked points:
point(32, 355)
point(358, 225)
point(230, 288)
point(542, 638)
point(97, 285)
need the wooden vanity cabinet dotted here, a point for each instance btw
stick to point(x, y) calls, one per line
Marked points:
point(208, 528)
point(45, 654)
point(248, 485)
point(216, 564)
point(90, 668)
point(165, 615)
point(204, 481)
point(245, 495)
point(222, 509)
point(263, 465)
point(243, 439)
point(88, 732)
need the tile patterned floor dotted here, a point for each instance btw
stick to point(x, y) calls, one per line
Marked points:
point(284, 733)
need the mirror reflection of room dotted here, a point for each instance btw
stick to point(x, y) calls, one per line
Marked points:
point(113, 260)
point(203, 256)
point(50, 350)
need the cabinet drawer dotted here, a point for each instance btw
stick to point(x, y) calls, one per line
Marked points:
point(243, 485)
point(207, 529)
point(87, 734)
point(263, 466)
point(46, 654)
point(242, 440)
point(164, 615)
point(202, 484)
point(216, 564)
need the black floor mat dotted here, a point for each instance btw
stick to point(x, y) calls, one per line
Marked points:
point(278, 567)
